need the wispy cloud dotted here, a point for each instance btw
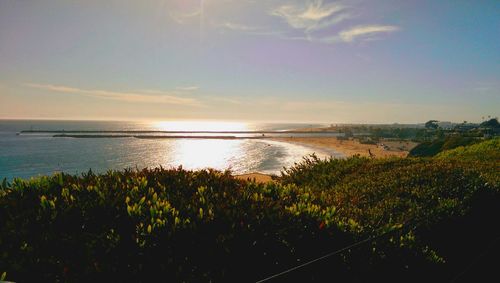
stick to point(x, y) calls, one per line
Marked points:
point(237, 27)
point(365, 32)
point(312, 15)
point(145, 96)
point(247, 29)
point(225, 100)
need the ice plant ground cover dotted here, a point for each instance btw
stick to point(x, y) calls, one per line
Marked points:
point(428, 218)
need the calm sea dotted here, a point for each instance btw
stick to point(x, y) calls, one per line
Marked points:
point(27, 155)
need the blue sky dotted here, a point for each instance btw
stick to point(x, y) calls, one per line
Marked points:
point(268, 60)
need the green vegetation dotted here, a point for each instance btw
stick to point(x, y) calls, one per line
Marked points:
point(431, 148)
point(427, 216)
point(484, 151)
point(491, 123)
point(432, 124)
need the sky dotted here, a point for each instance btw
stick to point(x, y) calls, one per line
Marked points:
point(359, 61)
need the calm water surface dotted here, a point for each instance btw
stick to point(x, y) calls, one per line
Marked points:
point(29, 155)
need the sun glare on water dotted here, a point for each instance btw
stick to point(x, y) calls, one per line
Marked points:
point(202, 153)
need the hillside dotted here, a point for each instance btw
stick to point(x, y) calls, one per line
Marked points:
point(414, 219)
point(432, 148)
point(487, 150)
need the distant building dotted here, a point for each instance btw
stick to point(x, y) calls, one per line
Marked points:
point(465, 127)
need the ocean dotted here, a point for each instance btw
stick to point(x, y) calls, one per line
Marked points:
point(26, 155)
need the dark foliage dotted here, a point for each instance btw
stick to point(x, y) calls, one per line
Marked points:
point(492, 123)
point(427, 216)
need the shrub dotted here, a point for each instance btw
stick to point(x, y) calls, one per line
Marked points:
point(431, 148)
point(205, 225)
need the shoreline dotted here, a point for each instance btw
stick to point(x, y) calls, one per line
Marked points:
point(351, 147)
point(347, 148)
point(343, 147)
point(298, 131)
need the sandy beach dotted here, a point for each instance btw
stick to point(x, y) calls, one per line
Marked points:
point(348, 148)
point(354, 147)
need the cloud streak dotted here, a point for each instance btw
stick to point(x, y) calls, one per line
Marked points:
point(247, 29)
point(237, 27)
point(365, 32)
point(312, 15)
point(149, 96)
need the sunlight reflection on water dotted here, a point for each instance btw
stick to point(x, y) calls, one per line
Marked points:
point(239, 156)
point(30, 155)
point(199, 153)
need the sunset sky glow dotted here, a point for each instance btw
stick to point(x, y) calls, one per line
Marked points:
point(274, 60)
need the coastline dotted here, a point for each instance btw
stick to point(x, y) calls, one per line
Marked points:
point(347, 148)
point(351, 147)
point(317, 139)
